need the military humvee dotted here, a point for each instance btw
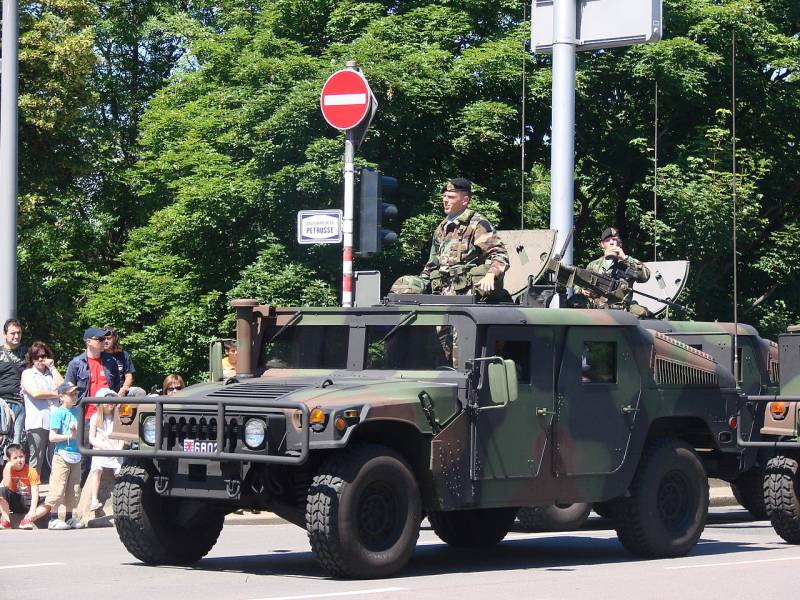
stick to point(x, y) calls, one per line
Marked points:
point(780, 440)
point(355, 422)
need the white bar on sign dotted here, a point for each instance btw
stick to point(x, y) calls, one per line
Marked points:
point(342, 99)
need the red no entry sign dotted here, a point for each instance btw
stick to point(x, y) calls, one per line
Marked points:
point(345, 99)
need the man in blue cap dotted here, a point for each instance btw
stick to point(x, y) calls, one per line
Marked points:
point(92, 371)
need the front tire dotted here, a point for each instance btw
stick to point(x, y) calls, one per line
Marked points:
point(479, 528)
point(554, 517)
point(147, 523)
point(363, 512)
point(665, 513)
point(780, 497)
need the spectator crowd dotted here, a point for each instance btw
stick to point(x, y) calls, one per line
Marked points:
point(39, 424)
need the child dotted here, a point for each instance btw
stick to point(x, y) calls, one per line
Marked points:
point(229, 361)
point(65, 476)
point(100, 427)
point(19, 490)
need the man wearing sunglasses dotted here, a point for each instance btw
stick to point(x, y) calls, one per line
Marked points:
point(92, 371)
point(467, 256)
point(616, 263)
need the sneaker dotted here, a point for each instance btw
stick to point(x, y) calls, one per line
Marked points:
point(96, 505)
point(75, 524)
point(26, 523)
point(57, 525)
point(5, 524)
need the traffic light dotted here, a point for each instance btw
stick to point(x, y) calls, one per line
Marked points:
point(374, 211)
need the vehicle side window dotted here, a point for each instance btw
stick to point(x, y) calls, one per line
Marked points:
point(599, 362)
point(520, 352)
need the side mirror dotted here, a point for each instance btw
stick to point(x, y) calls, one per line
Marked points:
point(502, 375)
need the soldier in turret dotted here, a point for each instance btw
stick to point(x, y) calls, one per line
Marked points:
point(466, 256)
point(617, 264)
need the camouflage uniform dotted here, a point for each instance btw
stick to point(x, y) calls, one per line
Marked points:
point(463, 251)
point(637, 272)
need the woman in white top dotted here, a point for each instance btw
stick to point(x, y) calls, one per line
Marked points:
point(39, 385)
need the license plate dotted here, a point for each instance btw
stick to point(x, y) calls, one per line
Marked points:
point(195, 446)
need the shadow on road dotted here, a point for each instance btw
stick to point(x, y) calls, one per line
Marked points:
point(548, 552)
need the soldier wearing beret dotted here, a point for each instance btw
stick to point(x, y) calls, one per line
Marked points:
point(467, 256)
point(617, 264)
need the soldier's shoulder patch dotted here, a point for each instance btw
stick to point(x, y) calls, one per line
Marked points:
point(478, 220)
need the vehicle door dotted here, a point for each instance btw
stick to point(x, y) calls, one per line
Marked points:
point(510, 440)
point(599, 387)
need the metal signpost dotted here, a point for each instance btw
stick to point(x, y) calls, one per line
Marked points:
point(9, 139)
point(346, 101)
point(563, 27)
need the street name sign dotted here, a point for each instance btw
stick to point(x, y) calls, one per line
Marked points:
point(346, 99)
point(319, 226)
point(600, 23)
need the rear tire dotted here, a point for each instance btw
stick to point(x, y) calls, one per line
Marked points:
point(147, 525)
point(363, 512)
point(780, 497)
point(554, 517)
point(479, 528)
point(748, 489)
point(665, 513)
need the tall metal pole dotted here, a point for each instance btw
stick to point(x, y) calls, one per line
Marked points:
point(8, 161)
point(347, 224)
point(562, 149)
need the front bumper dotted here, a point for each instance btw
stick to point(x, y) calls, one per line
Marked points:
point(293, 450)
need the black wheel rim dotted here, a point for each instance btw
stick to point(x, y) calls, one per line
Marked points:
point(380, 516)
point(674, 501)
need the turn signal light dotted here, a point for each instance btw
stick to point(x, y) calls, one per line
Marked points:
point(778, 410)
point(340, 424)
point(733, 422)
point(317, 416)
point(126, 410)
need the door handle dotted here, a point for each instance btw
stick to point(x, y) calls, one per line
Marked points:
point(627, 410)
point(543, 412)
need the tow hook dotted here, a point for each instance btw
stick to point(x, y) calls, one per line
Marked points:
point(162, 483)
point(233, 487)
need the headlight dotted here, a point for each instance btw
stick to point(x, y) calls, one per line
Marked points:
point(149, 430)
point(255, 432)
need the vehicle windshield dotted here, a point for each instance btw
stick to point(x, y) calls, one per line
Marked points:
point(412, 347)
point(308, 347)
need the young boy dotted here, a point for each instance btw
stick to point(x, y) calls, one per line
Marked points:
point(65, 477)
point(19, 489)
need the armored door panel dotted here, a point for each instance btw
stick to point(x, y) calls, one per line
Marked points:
point(510, 440)
point(598, 396)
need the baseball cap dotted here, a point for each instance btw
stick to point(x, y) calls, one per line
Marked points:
point(609, 232)
point(458, 184)
point(94, 332)
point(67, 387)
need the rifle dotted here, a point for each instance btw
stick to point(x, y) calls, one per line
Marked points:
point(615, 289)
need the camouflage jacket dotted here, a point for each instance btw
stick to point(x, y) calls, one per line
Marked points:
point(466, 242)
point(636, 270)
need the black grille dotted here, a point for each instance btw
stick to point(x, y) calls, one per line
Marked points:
point(262, 391)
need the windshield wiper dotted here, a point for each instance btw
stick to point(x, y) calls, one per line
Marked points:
point(408, 318)
point(295, 318)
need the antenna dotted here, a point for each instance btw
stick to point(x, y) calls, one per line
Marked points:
point(655, 178)
point(522, 132)
point(733, 170)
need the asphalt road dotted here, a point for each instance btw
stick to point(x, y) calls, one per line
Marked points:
point(736, 558)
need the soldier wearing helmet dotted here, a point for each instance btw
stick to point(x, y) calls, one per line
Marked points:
point(616, 263)
point(466, 256)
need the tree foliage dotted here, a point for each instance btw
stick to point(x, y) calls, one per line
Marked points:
point(193, 136)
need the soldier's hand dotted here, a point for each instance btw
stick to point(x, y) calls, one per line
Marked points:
point(618, 251)
point(486, 284)
point(588, 293)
